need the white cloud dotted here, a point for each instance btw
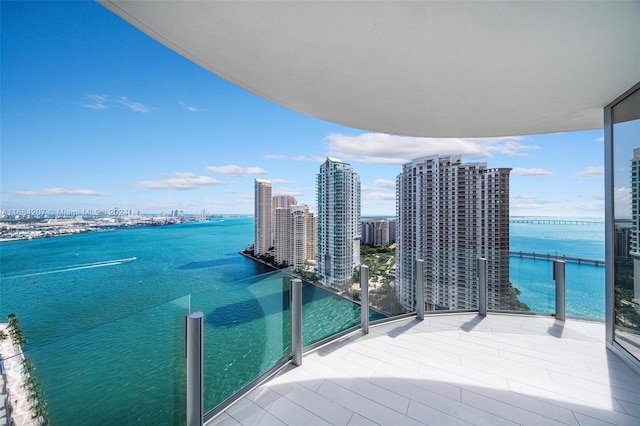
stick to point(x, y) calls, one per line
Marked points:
point(106, 102)
point(190, 107)
point(378, 195)
point(532, 201)
point(389, 149)
point(274, 157)
point(600, 139)
point(385, 183)
point(293, 192)
point(377, 198)
point(589, 171)
point(279, 182)
point(536, 173)
point(133, 106)
point(622, 201)
point(181, 181)
point(60, 191)
point(96, 102)
point(590, 209)
point(234, 170)
point(294, 158)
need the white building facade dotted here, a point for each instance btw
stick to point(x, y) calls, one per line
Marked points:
point(295, 235)
point(303, 229)
point(634, 251)
point(339, 231)
point(279, 202)
point(262, 217)
point(450, 214)
point(282, 235)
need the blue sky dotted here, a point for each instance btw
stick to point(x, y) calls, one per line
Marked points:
point(96, 115)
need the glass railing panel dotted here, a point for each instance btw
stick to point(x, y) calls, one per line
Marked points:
point(127, 371)
point(577, 241)
point(532, 286)
point(449, 276)
point(383, 297)
point(585, 289)
point(326, 313)
point(247, 331)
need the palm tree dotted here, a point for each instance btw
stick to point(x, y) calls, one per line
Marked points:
point(40, 412)
point(27, 366)
point(15, 331)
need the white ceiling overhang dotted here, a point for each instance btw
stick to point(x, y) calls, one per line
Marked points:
point(439, 69)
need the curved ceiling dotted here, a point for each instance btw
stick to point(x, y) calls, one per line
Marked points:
point(439, 69)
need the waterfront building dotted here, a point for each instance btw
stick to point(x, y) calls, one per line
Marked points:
point(262, 213)
point(282, 236)
point(302, 234)
point(283, 201)
point(338, 198)
point(279, 202)
point(312, 237)
point(294, 232)
point(449, 214)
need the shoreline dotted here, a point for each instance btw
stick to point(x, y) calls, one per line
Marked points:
point(14, 379)
point(25, 231)
point(248, 256)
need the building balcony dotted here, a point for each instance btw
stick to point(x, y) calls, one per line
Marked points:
point(452, 369)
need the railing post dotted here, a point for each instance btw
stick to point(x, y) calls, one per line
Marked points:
point(364, 298)
point(558, 276)
point(296, 321)
point(419, 279)
point(482, 286)
point(194, 354)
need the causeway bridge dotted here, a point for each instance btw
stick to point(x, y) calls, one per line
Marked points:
point(556, 221)
point(556, 257)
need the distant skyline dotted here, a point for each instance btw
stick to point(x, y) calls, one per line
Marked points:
point(97, 115)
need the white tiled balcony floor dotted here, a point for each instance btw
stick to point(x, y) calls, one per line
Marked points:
point(452, 370)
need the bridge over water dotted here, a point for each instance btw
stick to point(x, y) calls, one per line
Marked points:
point(556, 222)
point(556, 257)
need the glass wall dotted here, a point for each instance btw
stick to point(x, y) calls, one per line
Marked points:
point(623, 148)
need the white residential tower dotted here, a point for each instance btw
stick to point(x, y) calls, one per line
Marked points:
point(338, 196)
point(262, 214)
point(450, 214)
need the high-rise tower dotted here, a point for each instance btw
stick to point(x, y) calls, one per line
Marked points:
point(294, 231)
point(262, 212)
point(279, 202)
point(302, 235)
point(449, 214)
point(634, 250)
point(338, 196)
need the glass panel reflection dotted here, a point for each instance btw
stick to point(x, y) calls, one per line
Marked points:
point(247, 330)
point(626, 190)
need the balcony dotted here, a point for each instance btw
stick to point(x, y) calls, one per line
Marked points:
point(452, 369)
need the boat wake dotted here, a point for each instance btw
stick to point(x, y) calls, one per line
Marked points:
point(78, 267)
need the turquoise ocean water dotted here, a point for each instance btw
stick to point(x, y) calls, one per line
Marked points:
point(533, 277)
point(106, 335)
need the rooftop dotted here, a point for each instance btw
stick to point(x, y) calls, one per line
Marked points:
point(452, 369)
